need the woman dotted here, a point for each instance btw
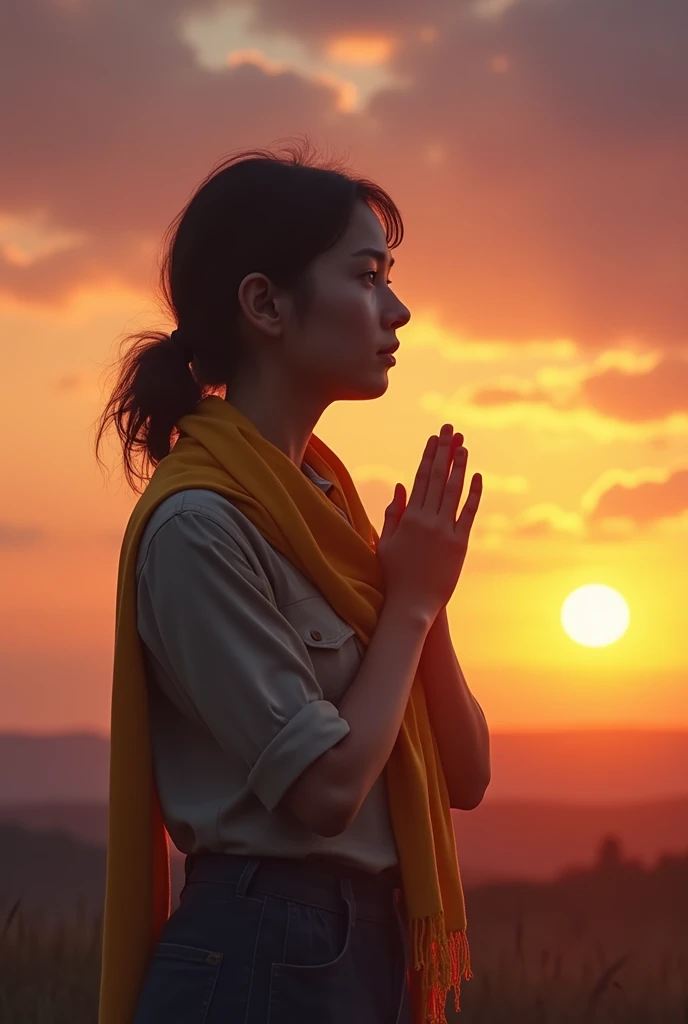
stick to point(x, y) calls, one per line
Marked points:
point(268, 641)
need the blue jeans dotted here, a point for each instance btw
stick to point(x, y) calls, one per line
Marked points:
point(269, 940)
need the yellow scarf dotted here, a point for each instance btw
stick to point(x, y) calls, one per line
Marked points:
point(221, 450)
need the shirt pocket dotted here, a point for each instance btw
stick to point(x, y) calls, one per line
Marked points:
point(330, 642)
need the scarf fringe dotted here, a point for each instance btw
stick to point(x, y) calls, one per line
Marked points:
point(444, 959)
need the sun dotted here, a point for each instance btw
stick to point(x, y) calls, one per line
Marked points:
point(595, 615)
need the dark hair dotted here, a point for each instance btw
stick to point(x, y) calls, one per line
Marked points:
point(257, 211)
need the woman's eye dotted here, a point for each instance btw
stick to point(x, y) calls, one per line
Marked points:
point(373, 272)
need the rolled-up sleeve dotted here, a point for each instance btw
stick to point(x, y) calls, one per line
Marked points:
point(232, 659)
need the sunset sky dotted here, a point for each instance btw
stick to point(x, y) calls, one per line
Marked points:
point(538, 151)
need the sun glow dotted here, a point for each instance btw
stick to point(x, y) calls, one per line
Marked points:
point(363, 51)
point(595, 615)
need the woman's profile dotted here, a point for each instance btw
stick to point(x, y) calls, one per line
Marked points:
point(268, 711)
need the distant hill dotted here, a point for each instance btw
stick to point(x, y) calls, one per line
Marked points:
point(538, 839)
point(57, 874)
point(616, 895)
point(62, 878)
point(49, 871)
point(591, 766)
point(498, 840)
point(69, 766)
point(552, 796)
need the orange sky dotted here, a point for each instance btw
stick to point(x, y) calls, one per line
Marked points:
point(543, 265)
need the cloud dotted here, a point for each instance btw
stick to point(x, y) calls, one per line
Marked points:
point(618, 506)
point(664, 495)
point(111, 130)
point(486, 396)
point(639, 397)
point(633, 398)
point(317, 21)
point(538, 155)
point(13, 535)
point(346, 92)
point(547, 519)
point(558, 207)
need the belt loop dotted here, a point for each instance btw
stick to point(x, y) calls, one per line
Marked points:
point(348, 894)
point(246, 875)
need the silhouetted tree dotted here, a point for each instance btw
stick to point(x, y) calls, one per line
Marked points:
point(610, 855)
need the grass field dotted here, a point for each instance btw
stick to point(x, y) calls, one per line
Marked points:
point(528, 969)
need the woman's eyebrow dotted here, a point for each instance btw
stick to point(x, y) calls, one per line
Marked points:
point(377, 253)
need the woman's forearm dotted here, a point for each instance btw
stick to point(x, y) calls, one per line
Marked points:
point(457, 719)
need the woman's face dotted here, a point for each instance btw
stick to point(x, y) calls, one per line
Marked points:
point(353, 313)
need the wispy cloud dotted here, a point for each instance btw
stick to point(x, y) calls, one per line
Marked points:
point(611, 402)
point(16, 535)
point(538, 154)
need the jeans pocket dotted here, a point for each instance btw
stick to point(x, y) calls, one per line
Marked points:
point(315, 979)
point(179, 985)
point(315, 938)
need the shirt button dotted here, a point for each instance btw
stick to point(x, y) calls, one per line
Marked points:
point(316, 634)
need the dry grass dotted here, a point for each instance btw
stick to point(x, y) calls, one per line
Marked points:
point(49, 970)
point(527, 971)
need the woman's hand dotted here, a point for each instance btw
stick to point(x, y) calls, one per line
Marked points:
point(423, 546)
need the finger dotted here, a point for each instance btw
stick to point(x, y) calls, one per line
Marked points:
point(465, 521)
point(454, 487)
point(420, 484)
point(439, 469)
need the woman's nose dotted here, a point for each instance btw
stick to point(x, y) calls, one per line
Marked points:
point(401, 316)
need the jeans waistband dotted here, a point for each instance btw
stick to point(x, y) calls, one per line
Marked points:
point(313, 880)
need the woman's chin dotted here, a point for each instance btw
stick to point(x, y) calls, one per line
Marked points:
point(376, 387)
